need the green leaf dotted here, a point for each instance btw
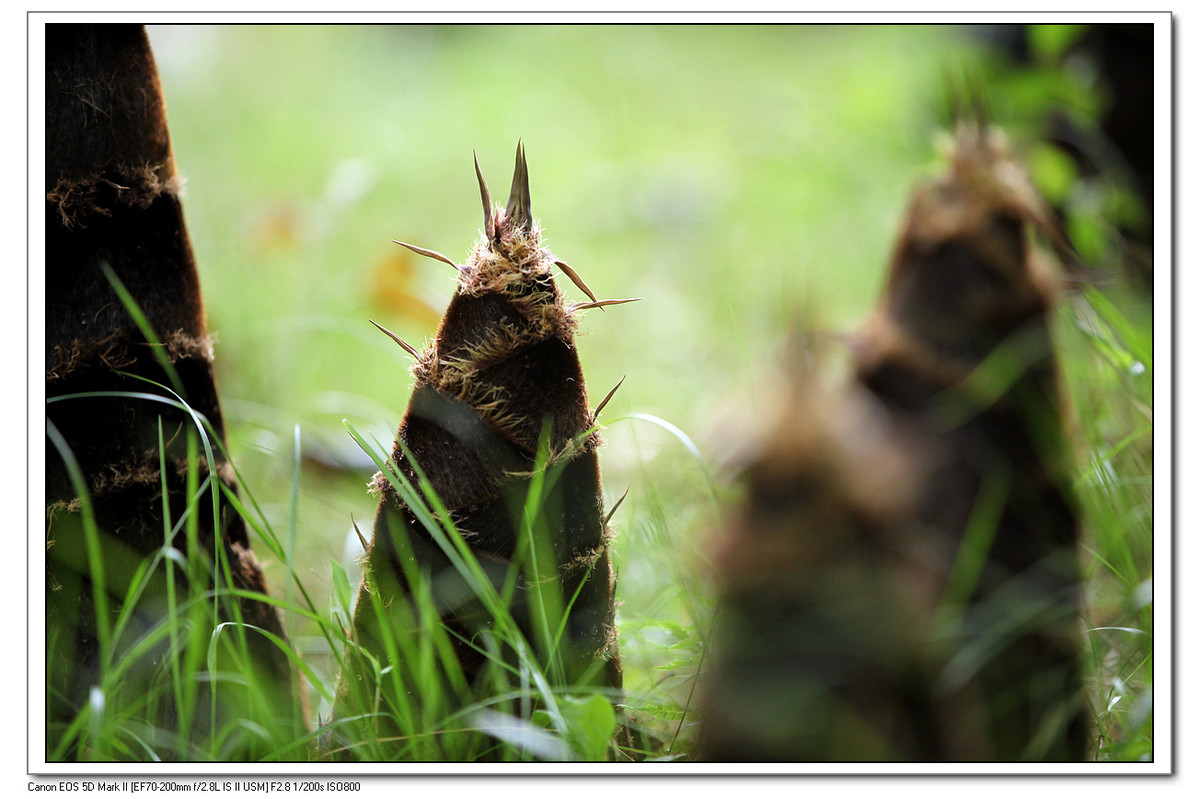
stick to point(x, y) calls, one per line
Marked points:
point(590, 723)
point(341, 586)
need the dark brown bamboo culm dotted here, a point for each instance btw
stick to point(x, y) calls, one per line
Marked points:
point(500, 379)
point(112, 202)
point(902, 582)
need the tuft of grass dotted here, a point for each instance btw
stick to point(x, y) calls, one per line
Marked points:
point(166, 646)
point(1108, 368)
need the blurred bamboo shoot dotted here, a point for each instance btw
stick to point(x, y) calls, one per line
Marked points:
point(917, 594)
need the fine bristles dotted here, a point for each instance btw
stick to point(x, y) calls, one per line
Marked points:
point(616, 505)
point(607, 397)
point(583, 306)
point(361, 539)
point(410, 349)
point(428, 253)
point(576, 279)
point(489, 226)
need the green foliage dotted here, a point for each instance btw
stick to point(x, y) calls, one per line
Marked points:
point(1108, 359)
point(1050, 43)
point(179, 659)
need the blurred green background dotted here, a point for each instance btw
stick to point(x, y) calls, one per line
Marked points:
point(742, 179)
